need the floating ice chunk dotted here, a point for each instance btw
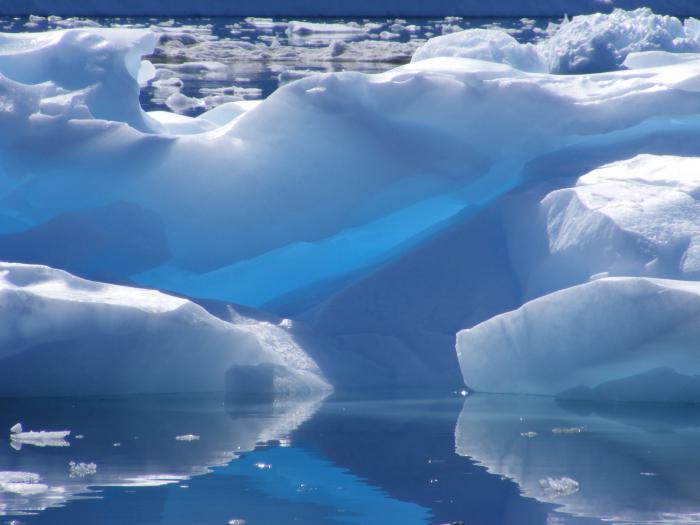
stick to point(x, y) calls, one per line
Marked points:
point(40, 438)
point(180, 103)
point(306, 28)
point(558, 487)
point(176, 345)
point(601, 42)
point(22, 483)
point(567, 430)
point(562, 341)
point(489, 45)
point(187, 437)
point(80, 470)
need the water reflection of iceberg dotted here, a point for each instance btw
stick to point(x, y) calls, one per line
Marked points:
point(632, 463)
point(132, 441)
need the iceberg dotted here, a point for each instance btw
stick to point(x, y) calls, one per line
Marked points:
point(42, 438)
point(610, 329)
point(583, 44)
point(109, 339)
point(404, 179)
point(385, 197)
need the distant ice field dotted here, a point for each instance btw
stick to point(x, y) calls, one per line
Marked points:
point(202, 63)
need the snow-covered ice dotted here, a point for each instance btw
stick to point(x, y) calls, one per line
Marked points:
point(129, 340)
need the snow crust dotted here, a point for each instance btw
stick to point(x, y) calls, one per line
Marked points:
point(127, 340)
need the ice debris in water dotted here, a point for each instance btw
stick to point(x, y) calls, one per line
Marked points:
point(80, 470)
point(556, 487)
point(187, 437)
point(22, 483)
point(40, 438)
point(567, 430)
point(528, 434)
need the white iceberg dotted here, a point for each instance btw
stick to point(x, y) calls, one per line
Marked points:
point(41, 438)
point(584, 44)
point(108, 339)
point(634, 217)
point(490, 45)
point(606, 330)
point(383, 166)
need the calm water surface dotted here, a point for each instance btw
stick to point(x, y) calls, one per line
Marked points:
point(478, 460)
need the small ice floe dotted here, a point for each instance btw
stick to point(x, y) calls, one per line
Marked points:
point(187, 437)
point(80, 470)
point(263, 465)
point(42, 438)
point(649, 474)
point(236, 522)
point(117, 444)
point(567, 430)
point(528, 434)
point(22, 483)
point(557, 487)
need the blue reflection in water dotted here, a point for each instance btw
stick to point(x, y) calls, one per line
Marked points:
point(355, 461)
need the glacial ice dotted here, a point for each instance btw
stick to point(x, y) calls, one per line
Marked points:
point(608, 329)
point(347, 189)
point(128, 340)
point(583, 44)
point(490, 45)
point(41, 438)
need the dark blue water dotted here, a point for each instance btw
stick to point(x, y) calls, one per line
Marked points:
point(358, 461)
